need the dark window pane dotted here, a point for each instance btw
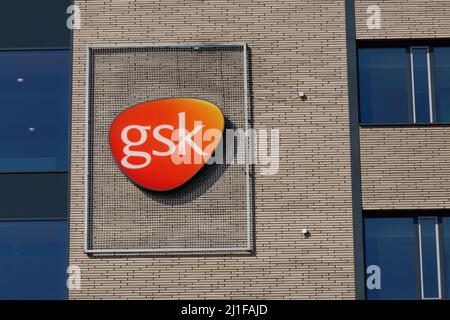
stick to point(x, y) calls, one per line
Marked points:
point(34, 24)
point(390, 245)
point(442, 79)
point(430, 270)
point(34, 110)
point(383, 85)
point(421, 93)
point(33, 195)
point(446, 241)
point(33, 259)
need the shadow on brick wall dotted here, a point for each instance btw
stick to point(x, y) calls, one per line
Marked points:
point(198, 184)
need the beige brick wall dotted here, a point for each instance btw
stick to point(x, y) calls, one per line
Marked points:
point(405, 167)
point(295, 45)
point(415, 19)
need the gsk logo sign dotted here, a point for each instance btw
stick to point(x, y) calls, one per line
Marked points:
point(162, 144)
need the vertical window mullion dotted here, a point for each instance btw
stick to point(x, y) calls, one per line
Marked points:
point(422, 284)
point(433, 97)
point(410, 86)
point(418, 260)
point(425, 254)
point(438, 256)
point(430, 92)
point(411, 59)
point(421, 84)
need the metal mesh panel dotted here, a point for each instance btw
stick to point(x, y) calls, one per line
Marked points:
point(211, 211)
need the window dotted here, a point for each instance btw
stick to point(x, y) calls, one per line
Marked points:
point(390, 246)
point(34, 113)
point(33, 259)
point(33, 195)
point(31, 24)
point(34, 121)
point(34, 129)
point(383, 75)
point(34, 142)
point(442, 83)
point(407, 257)
point(404, 85)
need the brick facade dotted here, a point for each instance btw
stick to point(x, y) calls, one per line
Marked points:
point(405, 19)
point(405, 167)
point(295, 46)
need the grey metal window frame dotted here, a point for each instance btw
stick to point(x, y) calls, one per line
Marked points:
point(248, 147)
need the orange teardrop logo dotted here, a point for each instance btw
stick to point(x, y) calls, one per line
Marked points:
point(162, 144)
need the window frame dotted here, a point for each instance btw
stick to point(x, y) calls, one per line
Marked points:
point(417, 214)
point(408, 45)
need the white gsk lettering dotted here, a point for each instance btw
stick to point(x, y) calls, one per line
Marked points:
point(183, 136)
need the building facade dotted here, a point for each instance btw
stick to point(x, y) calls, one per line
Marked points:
point(358, 93)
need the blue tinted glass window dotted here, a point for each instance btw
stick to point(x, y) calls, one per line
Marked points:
point(442, 83)
point(33, 259)
point(421, 89)
point(446, 242)
point(429, 254)
point(383, 85)
point(34, 110)
point(390, 246)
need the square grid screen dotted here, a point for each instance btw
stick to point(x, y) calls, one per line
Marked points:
point(211, 212)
